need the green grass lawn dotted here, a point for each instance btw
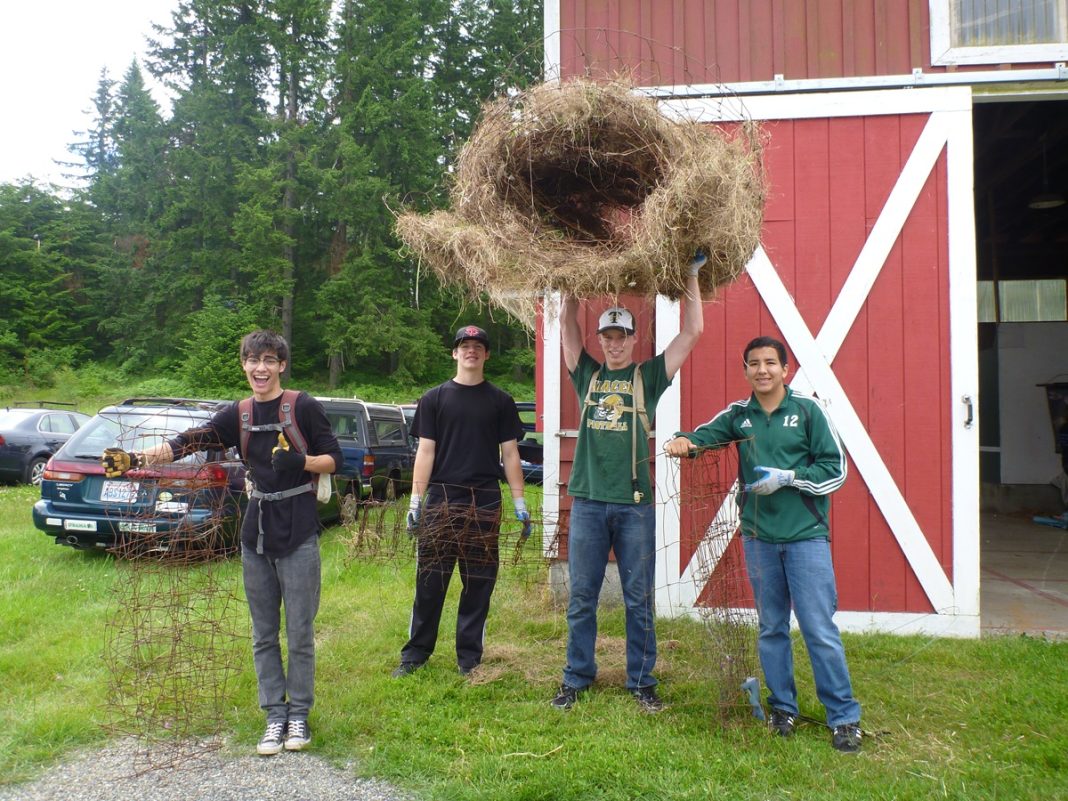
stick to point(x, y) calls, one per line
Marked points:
point(958, 719)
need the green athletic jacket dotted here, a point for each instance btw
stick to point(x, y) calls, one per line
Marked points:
point(603, 455)
point(797, 436)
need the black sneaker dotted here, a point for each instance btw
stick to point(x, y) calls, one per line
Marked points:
point(466, 670)
point(406, 669)
point(271, 741)
point(566, 697)
point(782, 723)
point(298, 735)
point(846, 738)
point(647, 698)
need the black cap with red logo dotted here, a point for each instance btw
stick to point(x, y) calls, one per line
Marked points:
point(471, 332)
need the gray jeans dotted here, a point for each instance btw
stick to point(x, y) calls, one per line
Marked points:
point(293, 582)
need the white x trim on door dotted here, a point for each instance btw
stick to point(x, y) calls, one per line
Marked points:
point(948, 127)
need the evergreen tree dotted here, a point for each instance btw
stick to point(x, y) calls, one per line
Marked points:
point(97, 150)
point(387, 146)
point(139, 178)
point(296, 129)
point(50, 249)
point(215, 56)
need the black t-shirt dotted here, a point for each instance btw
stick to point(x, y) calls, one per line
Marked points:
point(288, 523)
point(468, 425)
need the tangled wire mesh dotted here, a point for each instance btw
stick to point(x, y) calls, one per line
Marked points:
point(176, 636)
point(708, 485)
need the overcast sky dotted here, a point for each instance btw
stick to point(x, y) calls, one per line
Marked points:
point(51, 54)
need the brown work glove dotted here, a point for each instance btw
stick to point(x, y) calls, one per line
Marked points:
point(116, 461)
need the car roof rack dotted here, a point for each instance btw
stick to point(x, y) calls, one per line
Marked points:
point(43, 404)
point(199, 403)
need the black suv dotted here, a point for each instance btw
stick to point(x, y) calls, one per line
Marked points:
point(378, 452)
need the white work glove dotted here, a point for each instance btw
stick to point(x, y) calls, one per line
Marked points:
point(523, 516)
point(769, 479)
point(415, 507)
point(698, 261)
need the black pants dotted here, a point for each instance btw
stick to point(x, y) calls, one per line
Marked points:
point(458, 525)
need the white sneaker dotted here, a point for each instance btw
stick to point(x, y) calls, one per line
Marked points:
point(271, 741)
point(298, 735)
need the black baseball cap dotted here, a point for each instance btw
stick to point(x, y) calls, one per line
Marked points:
point(471, 332)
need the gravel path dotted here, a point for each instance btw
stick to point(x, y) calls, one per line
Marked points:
point(118, 772)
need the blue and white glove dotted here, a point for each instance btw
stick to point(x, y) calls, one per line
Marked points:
point(769, 479)
point(523, 516)
point(415, 508)
point(698, 261)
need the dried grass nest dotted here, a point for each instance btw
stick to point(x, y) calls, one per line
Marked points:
point(586, 187)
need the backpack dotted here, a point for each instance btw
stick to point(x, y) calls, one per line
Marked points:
point(287, 425)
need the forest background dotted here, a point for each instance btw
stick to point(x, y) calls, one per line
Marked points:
point(264, 196)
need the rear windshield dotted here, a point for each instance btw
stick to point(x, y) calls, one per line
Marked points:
point(131, 431)
point(390, 431)
point(346, 425)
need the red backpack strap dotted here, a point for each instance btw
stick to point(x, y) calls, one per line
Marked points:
point(287, 417)
point(244, 417)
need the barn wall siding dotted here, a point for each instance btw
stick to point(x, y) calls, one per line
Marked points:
point(700, 42)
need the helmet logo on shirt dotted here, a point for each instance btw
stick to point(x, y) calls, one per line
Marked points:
point(609, 408)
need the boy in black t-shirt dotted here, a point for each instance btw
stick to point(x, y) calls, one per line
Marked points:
point(466, 428)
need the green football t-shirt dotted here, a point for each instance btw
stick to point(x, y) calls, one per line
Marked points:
point(606, 445)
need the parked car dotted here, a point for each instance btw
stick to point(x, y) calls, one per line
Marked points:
point(29, 436)
point(166, 506)
point(378, 451)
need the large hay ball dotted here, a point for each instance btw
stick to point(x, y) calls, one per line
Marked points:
point(586, 187)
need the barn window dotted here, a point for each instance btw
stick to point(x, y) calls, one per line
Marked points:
point(1027, 301)
point(998, 31)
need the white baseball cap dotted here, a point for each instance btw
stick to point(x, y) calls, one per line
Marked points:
point(616, 317)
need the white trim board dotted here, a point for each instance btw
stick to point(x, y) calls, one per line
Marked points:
point(903, 623)
point(551, 400)
point(821, 104)
point(551, 46)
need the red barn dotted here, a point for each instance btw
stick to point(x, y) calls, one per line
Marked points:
point(913, 259)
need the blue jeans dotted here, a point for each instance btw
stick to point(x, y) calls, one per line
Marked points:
point(630, 531)
point(291, 581)
point(801, 573)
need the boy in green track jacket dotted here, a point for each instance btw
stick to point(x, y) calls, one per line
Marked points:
point(790, 461)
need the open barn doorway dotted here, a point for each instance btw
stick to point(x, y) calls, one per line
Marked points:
point(1021, 216)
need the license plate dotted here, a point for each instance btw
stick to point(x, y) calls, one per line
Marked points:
point(138, 528)
point(119, 491)
point(79, 525)
point(172, 507)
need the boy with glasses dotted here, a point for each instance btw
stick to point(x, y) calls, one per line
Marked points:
point(279, 530)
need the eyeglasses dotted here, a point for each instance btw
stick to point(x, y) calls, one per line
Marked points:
point(266, 361)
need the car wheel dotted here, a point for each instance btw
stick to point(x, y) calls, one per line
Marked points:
point(386, 492)
point(35, 471)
